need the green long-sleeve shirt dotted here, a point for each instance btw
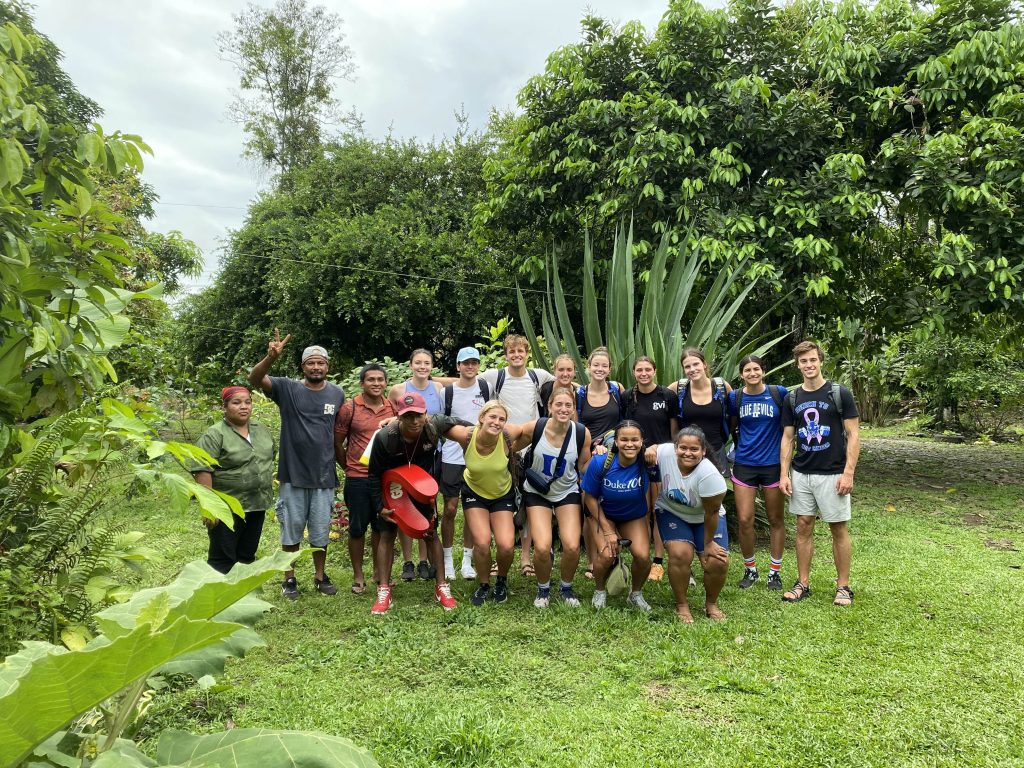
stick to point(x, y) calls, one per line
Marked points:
point(245, 469)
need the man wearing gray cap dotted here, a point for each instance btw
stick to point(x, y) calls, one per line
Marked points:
point(306, 468)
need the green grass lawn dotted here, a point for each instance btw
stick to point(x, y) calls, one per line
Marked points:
point(926, 669)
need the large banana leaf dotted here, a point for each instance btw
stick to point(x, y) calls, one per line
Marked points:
point(245, 747)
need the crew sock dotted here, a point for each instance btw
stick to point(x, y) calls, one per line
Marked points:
point(776, 565)
point(750, 563)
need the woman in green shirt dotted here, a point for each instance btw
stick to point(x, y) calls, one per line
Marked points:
point(245, 469)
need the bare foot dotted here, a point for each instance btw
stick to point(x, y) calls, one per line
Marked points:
point(683, 614)
point(714, 612)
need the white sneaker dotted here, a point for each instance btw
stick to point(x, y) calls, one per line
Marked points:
point(693, 582)
point(636, 599)
point(449, 572)
point(468, 571)
point(599, 599)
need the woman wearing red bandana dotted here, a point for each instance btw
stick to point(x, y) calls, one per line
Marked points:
point(245, 469)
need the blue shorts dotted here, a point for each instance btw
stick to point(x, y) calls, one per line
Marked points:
point(674, 528)
point(302, 509)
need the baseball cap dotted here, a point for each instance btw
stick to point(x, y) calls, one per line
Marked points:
point(314, 351)
point(467, 353)
point(411, 402)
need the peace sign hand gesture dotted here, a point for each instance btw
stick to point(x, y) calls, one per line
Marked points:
point(276, 345)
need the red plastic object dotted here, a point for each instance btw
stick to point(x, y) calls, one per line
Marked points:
point(399, 488)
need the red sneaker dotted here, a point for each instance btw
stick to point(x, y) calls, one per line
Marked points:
point(443, 594)
point(383, 604)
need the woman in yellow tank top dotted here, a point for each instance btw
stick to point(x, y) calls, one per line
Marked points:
point(488, 494)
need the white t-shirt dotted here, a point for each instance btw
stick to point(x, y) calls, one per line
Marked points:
point(466, 404)
point(684, 496)
point(518, 393)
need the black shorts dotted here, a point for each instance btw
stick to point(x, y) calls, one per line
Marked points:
point(757, 477)
point(360, 507)
point(471, 499)
point(451, 479)
point(536, 500)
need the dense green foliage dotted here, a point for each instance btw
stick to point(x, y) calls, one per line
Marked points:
point(365, 251)
point(868, 155)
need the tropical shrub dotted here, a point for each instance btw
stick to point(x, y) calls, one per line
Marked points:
point(668, 306)
point(189, 627)
point(61, 545)
point(872, 367)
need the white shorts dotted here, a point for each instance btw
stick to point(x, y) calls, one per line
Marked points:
point(814, 494)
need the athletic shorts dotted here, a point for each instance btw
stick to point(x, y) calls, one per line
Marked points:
point(451, 479)
point(304, 509)
point(360, 507)
point(471, 498)
point(756, 477)
point(536, 500)
point(674, 528)
point(816, 494)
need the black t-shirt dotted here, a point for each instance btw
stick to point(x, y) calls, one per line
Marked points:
point(307, 432)
point(820, 435)
point(707, 417)
point(654, 412)
point(602, 419)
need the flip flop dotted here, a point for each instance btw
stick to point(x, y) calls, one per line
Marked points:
point(358, 587)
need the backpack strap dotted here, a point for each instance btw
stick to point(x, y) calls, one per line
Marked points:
point(581, 433)
point(613, 391)
point(500, 382)
point(773, 390)
point(734, 414)
point(681, 394)
point(837, 399)
point(538, 430)
point(581, 398)
point(449, 396)
point(485, 391)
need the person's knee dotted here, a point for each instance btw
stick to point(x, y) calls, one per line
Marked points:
point(805, 526)
point(570, 550)
point(641, 559)
point(715, 567)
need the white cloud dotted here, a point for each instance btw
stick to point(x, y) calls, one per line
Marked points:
point(154, 68)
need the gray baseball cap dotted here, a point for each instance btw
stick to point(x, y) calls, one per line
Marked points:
point(314, 351)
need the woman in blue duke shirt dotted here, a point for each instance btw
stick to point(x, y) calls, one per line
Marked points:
point(616, 486)
point(756, 420)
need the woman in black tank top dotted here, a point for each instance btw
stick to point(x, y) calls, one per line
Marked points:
point(701, 406)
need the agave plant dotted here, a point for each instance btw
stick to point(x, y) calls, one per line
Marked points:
point(658, 331)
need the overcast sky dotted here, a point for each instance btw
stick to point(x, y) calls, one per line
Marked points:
point(153, 67)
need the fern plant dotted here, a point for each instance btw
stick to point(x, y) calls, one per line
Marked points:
point(62, 547)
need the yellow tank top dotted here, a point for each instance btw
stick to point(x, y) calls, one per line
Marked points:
point(488, 475)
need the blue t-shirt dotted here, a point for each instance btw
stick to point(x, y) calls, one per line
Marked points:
point(760, 427)
point(623, 494)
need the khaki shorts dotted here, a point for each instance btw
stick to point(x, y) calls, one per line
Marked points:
point(816, 494)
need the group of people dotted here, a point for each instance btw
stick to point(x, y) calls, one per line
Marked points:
point(642, 468)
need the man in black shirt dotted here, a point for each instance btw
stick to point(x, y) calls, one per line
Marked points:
point(822, 417)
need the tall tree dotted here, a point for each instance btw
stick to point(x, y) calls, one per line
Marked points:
point(287, 59)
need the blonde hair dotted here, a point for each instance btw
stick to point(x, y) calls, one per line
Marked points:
point(515, 340)
point(489, 406)
point(563, 356)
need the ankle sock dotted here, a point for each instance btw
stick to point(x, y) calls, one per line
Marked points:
point(658, 561)
point(545, 585)
point(564, 584)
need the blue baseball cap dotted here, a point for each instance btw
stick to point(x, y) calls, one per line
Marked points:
point(467, 353)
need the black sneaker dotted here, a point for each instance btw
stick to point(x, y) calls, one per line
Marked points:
point(426, 571)
point(750, 575)
point(290, 589)
point(774, 581)
point(408, 571)
point(480, 595)
point(324, 586)
point(500, 593)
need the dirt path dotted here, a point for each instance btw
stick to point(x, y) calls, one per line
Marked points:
point(927, 461)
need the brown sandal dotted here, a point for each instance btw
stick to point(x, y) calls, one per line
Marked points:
point(844, 596)
point(798, 592)
point(527, 569)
